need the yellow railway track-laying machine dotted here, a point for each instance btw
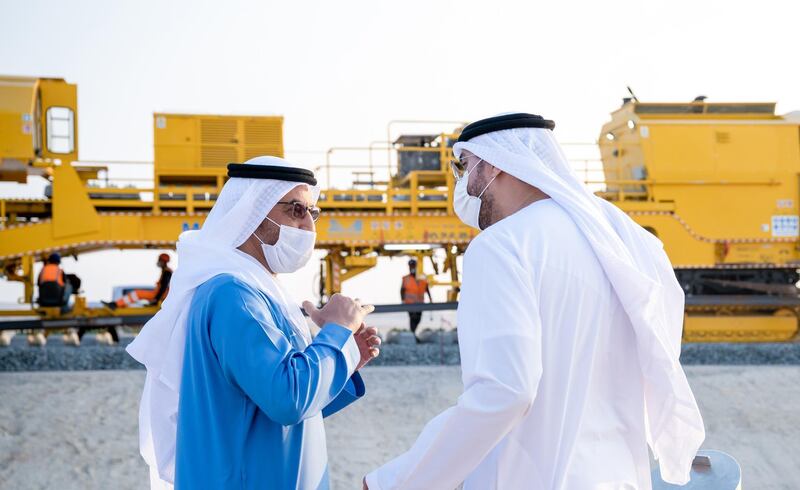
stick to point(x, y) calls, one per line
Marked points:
point(719, 183)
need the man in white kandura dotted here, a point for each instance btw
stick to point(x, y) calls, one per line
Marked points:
point(569, 326)
point(236, 388)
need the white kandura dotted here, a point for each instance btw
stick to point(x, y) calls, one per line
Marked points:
point(569, 327)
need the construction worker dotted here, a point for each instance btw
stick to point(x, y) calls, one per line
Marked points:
point(154, 296)
point(413, 291)
point(54, 289)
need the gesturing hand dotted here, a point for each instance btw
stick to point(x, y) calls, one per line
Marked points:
point(340, 310)
point(368, 342)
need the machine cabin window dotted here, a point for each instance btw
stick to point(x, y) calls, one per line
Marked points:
point(60, 130)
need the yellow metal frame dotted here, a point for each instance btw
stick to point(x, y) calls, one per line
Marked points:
point(724, 177)
point(688, 204)
point(739, 328)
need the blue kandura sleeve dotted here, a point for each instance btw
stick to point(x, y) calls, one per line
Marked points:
point(288, 385)
point(354, 390)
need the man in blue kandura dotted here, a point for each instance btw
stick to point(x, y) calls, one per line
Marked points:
point(236, 387)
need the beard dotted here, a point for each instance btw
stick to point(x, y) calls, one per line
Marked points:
point(487, 211)
point(268, 232)
point(474, 188)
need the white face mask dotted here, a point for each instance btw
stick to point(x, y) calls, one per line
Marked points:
point(292, 250)
point(468, 208)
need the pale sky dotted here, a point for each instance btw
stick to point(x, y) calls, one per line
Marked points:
point(339, 71)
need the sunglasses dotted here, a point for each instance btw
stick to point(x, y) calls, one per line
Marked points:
point(299, 210)
point(460, 167)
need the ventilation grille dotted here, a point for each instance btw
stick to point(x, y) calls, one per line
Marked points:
point(214, 156)
point(212, 142)
point(215, 131)
point(722, 137)
point(263, 133)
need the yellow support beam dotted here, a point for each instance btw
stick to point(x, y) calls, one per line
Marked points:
point(739, 328)
point(73, 212)
point(376, 229)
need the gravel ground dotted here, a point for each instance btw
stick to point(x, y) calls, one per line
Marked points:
point(78, 430)
point(56, 356)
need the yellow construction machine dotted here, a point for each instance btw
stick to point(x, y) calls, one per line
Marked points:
point(83, 211)
point(718, 183)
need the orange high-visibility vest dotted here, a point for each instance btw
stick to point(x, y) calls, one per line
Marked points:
point(51, 273)
point(414, 289)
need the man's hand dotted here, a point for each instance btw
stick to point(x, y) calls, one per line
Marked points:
point(368, 342)
point(340, 310)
